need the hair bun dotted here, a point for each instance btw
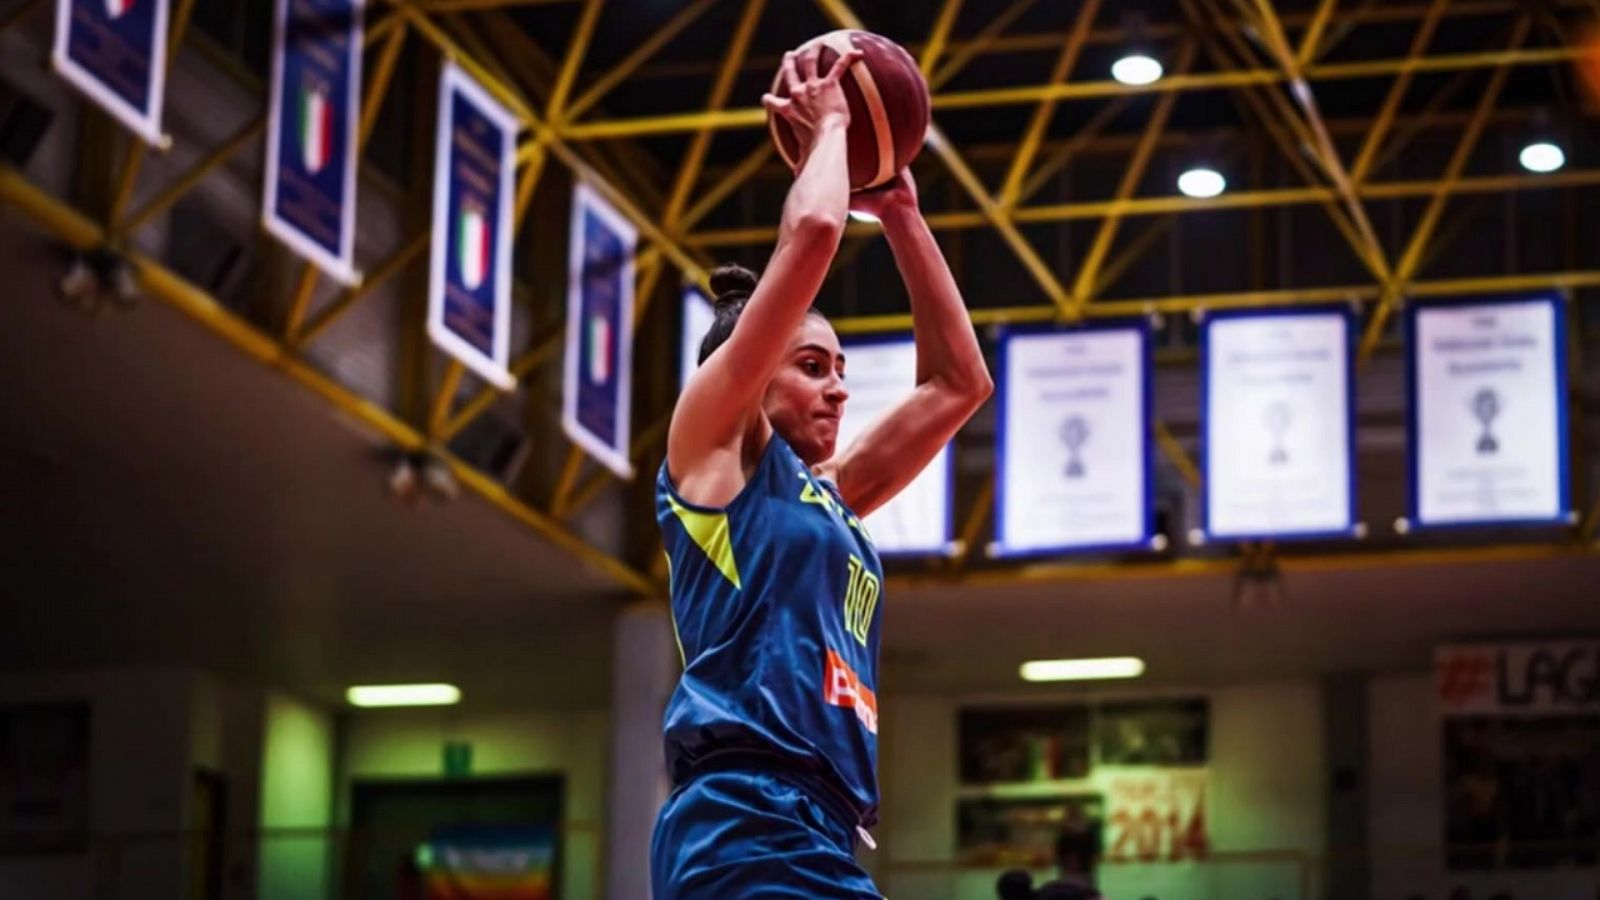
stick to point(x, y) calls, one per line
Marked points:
point(731, 283)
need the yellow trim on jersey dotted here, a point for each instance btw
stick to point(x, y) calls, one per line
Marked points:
point(672, 616)
point(712, 533)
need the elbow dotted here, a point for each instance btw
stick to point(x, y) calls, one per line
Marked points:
point(971, 389)
point(817, 226)
point(981, 388)
point(985, 385)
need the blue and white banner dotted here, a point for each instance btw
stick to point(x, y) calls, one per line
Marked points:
point(1488, 411)
point(115, 51)
point(597, 392)
point(1278, 423)
point(698, 314)
point(469, 280)
point(880, 375)
point(1074, 458)
point(310, 192)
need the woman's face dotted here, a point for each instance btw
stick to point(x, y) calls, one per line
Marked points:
point(805, 399)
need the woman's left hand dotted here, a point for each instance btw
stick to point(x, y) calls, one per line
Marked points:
point(900, 193)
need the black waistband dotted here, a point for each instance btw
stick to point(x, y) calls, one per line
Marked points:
point(814, 784)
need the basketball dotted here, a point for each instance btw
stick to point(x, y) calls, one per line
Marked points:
point(1588, 64)
point(888, 107)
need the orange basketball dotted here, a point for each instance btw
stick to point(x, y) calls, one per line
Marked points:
point(888, 107)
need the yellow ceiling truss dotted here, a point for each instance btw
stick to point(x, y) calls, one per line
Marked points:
point(1268, 62)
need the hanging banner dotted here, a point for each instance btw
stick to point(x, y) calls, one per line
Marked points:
point(115, 51)
point(1520, 679)
point(1488, 411)
point(487, 862)
point(879, 376)
point(310, 192)
point(698, 314)
point(1074, 466)
point(1155, 815)
point(597, 391)
point(469, 279)
point(1278, 423)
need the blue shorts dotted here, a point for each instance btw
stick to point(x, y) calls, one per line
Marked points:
point(736, 835)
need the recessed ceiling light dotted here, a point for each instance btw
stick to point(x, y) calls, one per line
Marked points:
point(1202, 183)
point(1542, 157)
point(1136, 69)
point(1082, 669)
point(369, 695)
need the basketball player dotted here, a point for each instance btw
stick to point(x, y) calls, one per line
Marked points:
point(771, 734)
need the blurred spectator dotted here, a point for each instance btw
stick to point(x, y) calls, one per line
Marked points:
point(1014, 884)
point(1077, 855)
point(1062, 889)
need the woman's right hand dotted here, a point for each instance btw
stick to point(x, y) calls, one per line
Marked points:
point(815, 100)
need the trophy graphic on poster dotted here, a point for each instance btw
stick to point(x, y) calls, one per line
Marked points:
point(1485, 406)
point(1074, 434)
point(1278, 418)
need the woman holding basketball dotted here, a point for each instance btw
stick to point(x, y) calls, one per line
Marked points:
point(771, 733)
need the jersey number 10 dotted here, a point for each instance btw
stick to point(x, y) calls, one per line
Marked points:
point(860, 599)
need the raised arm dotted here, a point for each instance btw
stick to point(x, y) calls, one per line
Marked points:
point(722, 402)
point(952, 379)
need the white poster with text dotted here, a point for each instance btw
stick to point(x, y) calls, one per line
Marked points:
point(698, 315)
point(879, 376)
point(1488, 411)
point(1278, 424)
point(1074, 450)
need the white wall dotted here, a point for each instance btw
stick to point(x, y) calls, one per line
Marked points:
point(1268, 782)
point(410, 743)
point(1406, 819)
point(138, 782)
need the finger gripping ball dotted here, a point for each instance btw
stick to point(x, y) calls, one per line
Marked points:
point(888, 106)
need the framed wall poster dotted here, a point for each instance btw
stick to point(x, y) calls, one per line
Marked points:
point(1488, 435)
point(1278, 423)
point(44, 778)
point(1074, 469)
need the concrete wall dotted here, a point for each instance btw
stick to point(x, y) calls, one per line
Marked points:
point(410, 744)
point(1267, 793)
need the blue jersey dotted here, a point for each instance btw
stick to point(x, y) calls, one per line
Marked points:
point(775, 599)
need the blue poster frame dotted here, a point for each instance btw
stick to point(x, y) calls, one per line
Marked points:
point(1556, 300)
point(1206, 419)
point(998, 548)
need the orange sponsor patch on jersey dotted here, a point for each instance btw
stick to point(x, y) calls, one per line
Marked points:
point(842, 687)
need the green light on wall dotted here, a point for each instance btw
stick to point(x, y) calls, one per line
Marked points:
point(369, 695)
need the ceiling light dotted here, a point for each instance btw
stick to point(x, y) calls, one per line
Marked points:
point(439, 479)
point(1542, 157)
point(1202, 183)
point(368, 695)
point(1082, 669)
point(79, 284)
point(1136, 69)
point(860, 216)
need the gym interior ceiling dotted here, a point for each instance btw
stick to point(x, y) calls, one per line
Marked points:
point(1052, 188)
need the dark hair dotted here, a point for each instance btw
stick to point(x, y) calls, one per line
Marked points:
point(1014, 884)
point(731, 287)
point(1078, 846)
